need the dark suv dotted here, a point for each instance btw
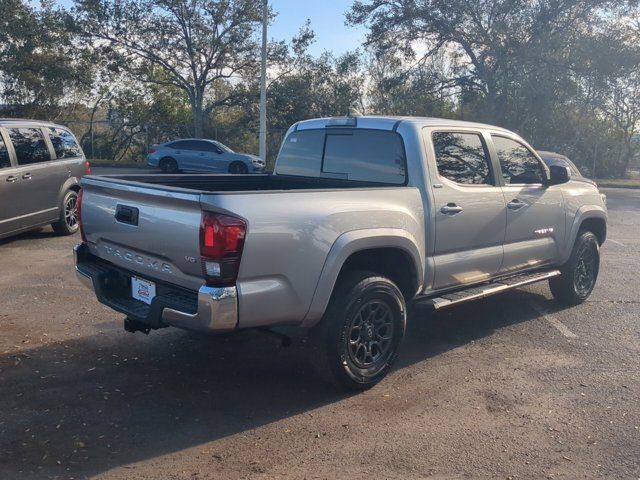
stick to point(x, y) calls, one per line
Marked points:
point(40, 169)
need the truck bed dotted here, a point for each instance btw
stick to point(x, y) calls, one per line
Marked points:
point(292, 224)
point(227, 183)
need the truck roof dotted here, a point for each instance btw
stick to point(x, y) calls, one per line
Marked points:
point(380, 122)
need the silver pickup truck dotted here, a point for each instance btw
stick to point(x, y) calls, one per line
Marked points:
point(361, 216)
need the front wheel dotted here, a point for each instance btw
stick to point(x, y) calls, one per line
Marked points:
point(68, 222)
point(580, 273)
point(358, 339)
point(238, 168)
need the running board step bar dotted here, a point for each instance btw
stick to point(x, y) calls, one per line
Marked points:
point(475, 293)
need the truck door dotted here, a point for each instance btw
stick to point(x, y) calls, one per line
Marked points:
point(469, 208)
point(535, 211)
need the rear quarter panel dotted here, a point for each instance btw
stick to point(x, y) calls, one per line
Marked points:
point(290, 235)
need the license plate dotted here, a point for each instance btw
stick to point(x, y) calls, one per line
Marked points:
point(143, 290)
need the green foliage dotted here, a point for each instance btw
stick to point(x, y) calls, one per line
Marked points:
point(528, 66)
point(39, 64)
point(192, 44)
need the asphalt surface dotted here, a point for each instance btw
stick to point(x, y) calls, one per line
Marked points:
point(510, 387)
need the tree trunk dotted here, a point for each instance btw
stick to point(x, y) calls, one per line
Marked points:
point(197, 112)
point(197, 121)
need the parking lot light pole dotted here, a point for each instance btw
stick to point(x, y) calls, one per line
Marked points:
point(263, 83)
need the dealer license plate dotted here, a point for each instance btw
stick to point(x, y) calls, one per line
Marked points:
point(143, 290)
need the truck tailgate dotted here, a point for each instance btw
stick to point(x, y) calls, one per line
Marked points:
point(149, 230)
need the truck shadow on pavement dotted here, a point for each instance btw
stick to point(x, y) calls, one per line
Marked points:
point(84, 406)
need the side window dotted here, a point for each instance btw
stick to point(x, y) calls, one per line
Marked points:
point(208, 147)
point(462, 158)
point(518, 164)
point(64, 144)
point(5, 162)
point(181, 145)
point(29, 145)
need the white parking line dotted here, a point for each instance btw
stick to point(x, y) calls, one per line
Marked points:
point(553, 321)
point(616, 242)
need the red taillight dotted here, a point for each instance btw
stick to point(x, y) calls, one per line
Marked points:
point(87, 168)
point(152, 150)
point(221, 243)
point(79, 211)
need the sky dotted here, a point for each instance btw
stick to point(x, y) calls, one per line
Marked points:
point(327, 20)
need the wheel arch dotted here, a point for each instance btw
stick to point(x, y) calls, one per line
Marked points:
point(588, 217)
point(596, 225)
point(72, 183)
point(391, 252)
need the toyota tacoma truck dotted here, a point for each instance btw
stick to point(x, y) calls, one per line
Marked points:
point(361, 217)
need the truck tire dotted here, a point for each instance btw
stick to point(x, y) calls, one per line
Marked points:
point(68, 222)
point(358, 339)
point(168, 165)
point(580, 273)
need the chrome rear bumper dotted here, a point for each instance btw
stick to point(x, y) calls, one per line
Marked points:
point(217, 311)
point(216, 307)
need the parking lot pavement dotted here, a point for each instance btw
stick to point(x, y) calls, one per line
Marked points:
point(511, 387)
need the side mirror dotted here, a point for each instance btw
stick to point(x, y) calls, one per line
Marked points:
point(559, 175)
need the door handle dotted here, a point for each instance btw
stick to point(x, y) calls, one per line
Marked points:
point(516, 204)
point(26, 176)
point(11, 179)
point(451, 209)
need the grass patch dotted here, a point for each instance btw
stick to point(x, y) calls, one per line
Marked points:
point(110, 163)
point(619, 183)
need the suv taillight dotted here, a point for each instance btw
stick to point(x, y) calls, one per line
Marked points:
point(79, 211)
point(221, 243)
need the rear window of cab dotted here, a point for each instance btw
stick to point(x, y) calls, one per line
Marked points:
point(351, 154)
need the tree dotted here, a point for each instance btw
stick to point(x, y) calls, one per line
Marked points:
point(40, 66)
point(192, 45)
point(395, 89)
point(528, 66)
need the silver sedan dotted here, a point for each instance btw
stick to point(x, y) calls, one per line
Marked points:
point(201, 155)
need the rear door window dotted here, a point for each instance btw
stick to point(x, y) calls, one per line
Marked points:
point(208, 147)
point(187, 145)
point(462, 158)
point(64, 144)
point(5, 161)
point(353, 154)
point(29, 145)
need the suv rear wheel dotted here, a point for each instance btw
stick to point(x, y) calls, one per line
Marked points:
point(68, 223)
point(580, 273)
point(358, 339)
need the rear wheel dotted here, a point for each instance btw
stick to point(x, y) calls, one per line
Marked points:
point(580, 273)
point(168, 165)
point(358, 339)
point(238, 168)
point(68, 222)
